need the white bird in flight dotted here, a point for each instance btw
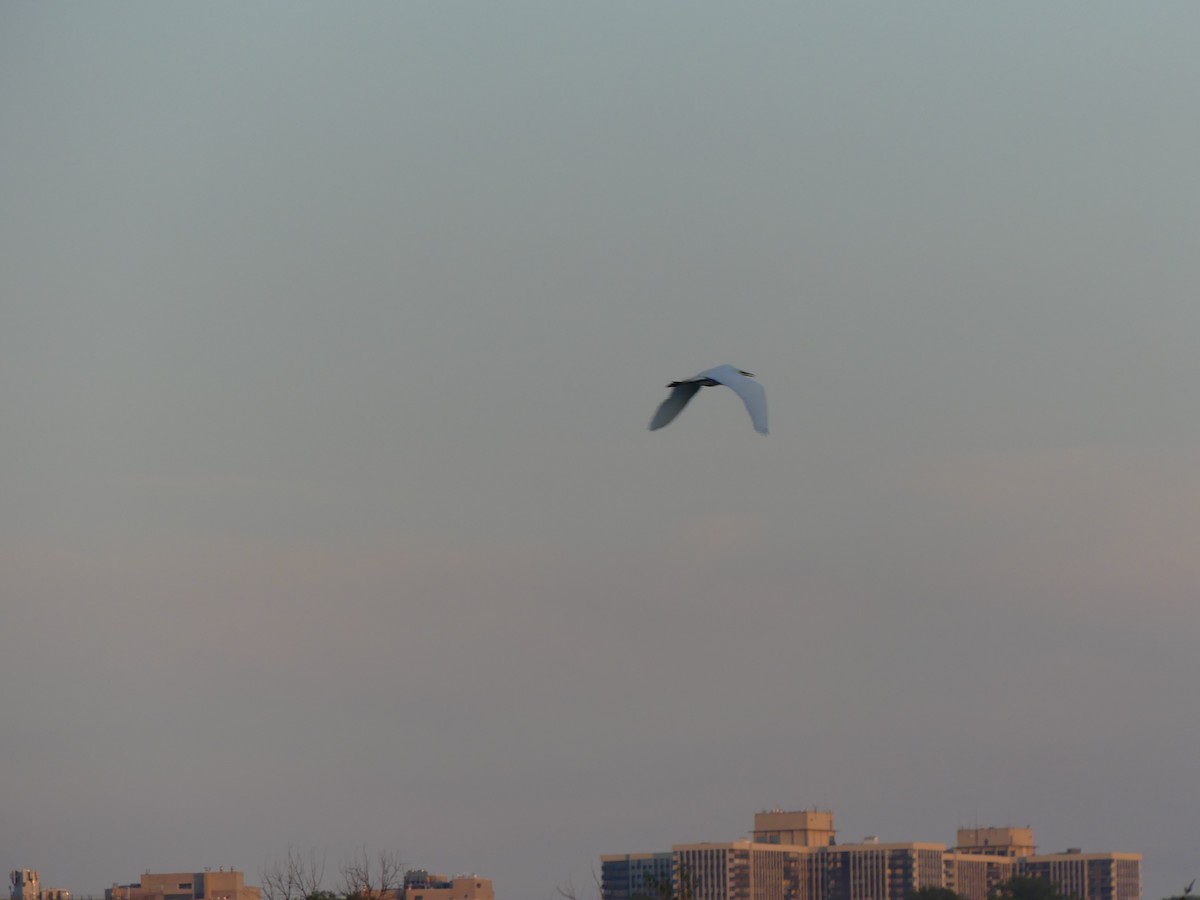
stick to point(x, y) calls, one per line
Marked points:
point(751, 392)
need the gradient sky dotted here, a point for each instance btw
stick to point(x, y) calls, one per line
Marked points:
point(329, 334)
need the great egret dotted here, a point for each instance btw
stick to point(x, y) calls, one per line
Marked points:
point(751, 392)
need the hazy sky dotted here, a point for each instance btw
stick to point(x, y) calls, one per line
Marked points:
point(329, 335)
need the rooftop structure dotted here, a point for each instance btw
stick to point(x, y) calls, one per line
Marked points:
point(996, 841)
point(803, 828)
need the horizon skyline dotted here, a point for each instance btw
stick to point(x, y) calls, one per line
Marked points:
point(864, 840)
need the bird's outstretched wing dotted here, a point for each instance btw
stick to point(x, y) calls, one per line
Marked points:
point(753, 394)
point(675, 402)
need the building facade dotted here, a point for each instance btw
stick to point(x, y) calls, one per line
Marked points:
point(746, 870)
point(25, 884)
point(224, 884)
point(975, 875)
point(877, 871)
point(419, 884)
point(635, 876)
point(1089, 876)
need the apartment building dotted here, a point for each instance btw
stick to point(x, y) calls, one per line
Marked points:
point(713, 871)
point(975, 875)
point(635, 876)
point(24, 884)
point(877, 871)
point(1089, 876)
point(794, 856)
point(746, 870)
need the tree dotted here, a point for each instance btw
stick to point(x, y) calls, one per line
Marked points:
point(362, 880)
point(295, 877)
point(567, 891)
point(1027, 887)
point(1187, 892)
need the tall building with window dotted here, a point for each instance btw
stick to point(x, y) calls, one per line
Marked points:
point(713, 871)
point(746, 870)
point(794, 856)
point(25, 884)
point(1089, 876)
point(975, 875)
point(877, 871)
point(635, 876)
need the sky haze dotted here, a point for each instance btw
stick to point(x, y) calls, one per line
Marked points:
point(329, 516)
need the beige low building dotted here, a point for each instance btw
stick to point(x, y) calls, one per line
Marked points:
point(220, 885)
point(421, 885)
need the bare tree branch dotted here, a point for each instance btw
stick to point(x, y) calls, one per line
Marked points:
point(370, 881)
point(391, 871)
point(567, 891)
point(295, 877)
point(356, 875)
